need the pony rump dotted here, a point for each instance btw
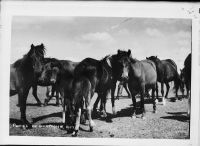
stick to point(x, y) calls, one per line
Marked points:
point(81, 92)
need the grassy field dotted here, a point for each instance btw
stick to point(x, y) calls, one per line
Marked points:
point(170, 121)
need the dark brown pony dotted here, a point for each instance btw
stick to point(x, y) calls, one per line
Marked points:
point(166, 72)
point(23, 75)
point(141, 76)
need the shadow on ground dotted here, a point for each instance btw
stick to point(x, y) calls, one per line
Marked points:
point(58, 114)
point(179, 116)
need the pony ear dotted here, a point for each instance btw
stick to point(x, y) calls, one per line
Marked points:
point(146, 57)
point(42, 45)
point(129, 52)
point(32, 46)
point(156, 56)
point(118, 51)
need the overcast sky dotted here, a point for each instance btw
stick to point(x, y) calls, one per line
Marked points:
point(76, 38)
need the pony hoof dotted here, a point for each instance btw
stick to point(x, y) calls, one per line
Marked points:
point(92, 124)
point(156, 101)
point(143, 117)
point(64, 127)
point(164, 103)
point(45, 103)
point(104, 115)
point(113, 111)
point(91, 129)
point(75, 133)
point(133, 116)
point(154, 111)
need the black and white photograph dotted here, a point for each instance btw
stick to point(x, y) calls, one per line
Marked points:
point(109, 75)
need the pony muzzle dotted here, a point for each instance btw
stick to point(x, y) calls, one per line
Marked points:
point(53, 80)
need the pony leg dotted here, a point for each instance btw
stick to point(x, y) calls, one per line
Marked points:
point(49, 95)
point(167, 86)
point(189, 106)
point(133, 94)
point(188, 91)
point(142, 101)
point(127, 90)
point(64, 104)
point(89, 113)
point(154, 102)
point(103, 101)
point(57, 98)
point(35, 95)
point(55, 90)
point(162, 90)
point(23, 93)
point(64, 115)
point(77, 124)
point(96, 102)
point(119, 91)
point(113, 97)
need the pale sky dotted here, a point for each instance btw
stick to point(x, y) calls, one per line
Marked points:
point(75, 38)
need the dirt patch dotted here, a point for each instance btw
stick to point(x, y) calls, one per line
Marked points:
point(169, 122)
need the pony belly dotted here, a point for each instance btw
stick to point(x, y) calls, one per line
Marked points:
point(12, 86)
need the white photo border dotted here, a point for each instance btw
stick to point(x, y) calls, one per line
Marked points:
point(105, 9)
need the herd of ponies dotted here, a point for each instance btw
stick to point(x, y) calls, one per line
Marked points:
point(76, 82)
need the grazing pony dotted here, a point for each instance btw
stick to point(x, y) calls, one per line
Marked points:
point(166, 72)
point(23, 75)
point(141, 76)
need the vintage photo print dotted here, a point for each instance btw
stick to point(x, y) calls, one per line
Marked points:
point(115, 73)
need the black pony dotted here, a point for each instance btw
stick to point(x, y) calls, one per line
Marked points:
point(61, 72)
point(90, 76)
point(41, 82)
point(23, 75)
point(44, 79)
point(141, 76)
point(116, 74)
point(186, 78)
point(166, 72)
